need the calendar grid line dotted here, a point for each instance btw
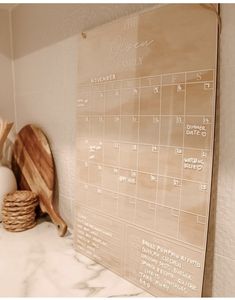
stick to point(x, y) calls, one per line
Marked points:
point(158, 160)
point(137, 156)
point(144, 144)
point(142, 199)
point(104, 89)
point(133, 224)
point(142, 172)
point(130, 115)
point(182, 166)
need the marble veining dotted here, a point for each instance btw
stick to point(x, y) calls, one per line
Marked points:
point(38, 263)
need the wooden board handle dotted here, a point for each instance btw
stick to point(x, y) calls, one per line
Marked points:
point(56, 219)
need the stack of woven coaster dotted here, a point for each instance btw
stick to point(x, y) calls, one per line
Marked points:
point(18, 211)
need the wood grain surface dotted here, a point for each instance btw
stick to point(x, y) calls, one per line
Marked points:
point(33, 165)
point(5, 128)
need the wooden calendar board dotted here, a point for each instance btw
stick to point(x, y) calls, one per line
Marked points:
point(145, 125)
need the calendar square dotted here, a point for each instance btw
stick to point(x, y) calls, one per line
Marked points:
point(149, 130)
point(170, 161)
point(194, 197)
point(199, 101)
point(128, 156)
point(130, 101)
point(109, 203)
point(129, 128)
point(145, 214)
point(112, 128)
point(167, 221)
point(168, 193)
point(197, 133)
point(112, 102)
point(190, 230)
point(173, 99)
point(127, 182)
point(95, 151)
point(150, 100)
point(110, 178)
point(111, 153)
point(196, 164)
point(147, 186)
point(95, 174)
point(148, 158)
point(94, 197)
point(126, 208)
point(172, 130)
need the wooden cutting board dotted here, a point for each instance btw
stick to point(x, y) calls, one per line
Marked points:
point(5, 128)
point(33, 165)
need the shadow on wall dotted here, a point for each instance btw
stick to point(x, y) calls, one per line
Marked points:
point(60, 21)
point(5, 37)
point(6, 83)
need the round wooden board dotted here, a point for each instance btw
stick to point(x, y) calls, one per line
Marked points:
point(33, 165)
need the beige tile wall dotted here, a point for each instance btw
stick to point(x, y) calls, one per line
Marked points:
point(45, 51)
point(45, 39)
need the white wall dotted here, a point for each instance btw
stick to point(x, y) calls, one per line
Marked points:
point(7, 111)
point(45, 39)
point(6, 82)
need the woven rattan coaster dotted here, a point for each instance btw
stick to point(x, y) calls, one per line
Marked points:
point(20, 204)
point(19, 225)
point(18, 211)
point(20, 208)
point(19, 218)
point(20, 228)
point(18, 221)
point(20, 196)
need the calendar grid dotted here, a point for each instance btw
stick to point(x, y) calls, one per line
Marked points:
point(180, 119)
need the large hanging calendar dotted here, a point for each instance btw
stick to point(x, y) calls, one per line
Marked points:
point(145, 128)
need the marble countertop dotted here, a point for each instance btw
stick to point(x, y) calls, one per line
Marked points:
point(39, 263)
